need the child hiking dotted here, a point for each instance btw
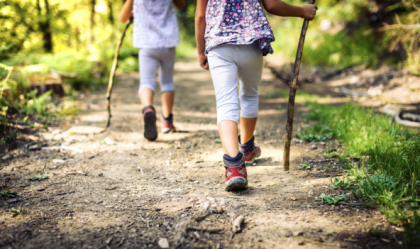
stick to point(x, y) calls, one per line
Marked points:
point(232, 38)
point(155, 33)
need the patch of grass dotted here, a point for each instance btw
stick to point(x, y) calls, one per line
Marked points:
point(328, 199)
point(41, 176)
point(382, 189)
point(8, 194)
point(382, 157)
point(305, 166)
point(16, 212)
point(388, 147)
point(316, 133)
point(90, 67)
point(343, 184)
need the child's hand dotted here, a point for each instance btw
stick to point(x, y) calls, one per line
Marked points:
point(203, 61)
point(309, 11)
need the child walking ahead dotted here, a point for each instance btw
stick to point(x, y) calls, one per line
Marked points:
point(232, 38)
point(155, 32)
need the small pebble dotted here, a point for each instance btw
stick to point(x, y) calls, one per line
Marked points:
point(163, 243)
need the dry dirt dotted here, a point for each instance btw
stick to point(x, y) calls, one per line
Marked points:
point(118, 190)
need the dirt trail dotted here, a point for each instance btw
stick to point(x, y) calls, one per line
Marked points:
point(116, 189)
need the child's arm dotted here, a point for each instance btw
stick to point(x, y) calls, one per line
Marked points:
point(200, 28)
point(179, 4)
point(280, 8)
point(126, 11)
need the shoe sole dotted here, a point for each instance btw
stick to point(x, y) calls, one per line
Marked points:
point(236, 183)
point(166, 131)
point(150, 130)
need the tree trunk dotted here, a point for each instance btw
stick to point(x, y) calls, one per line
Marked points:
point(45, 26)
point(92, 21)
point(110, 13)
point(47, 33)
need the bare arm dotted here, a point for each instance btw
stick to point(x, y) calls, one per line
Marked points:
point(179, 4)
point(126, 11)
point(280, 8)
point(200, 28)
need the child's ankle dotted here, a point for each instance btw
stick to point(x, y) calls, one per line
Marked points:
point(148, 108)
point(233, 162)
point(246, 147)
point(169, 118)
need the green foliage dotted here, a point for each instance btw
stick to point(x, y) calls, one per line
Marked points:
point(331, 200)
point(16, 212)
point(385, 170)
point(5, 72)
point(8, 194)
point(41, 176)
point(405, 32)
point(343, 184)
point(343, 49)
point(382, 189)
point(348, 39)
point(305, 166)
point(316, 133)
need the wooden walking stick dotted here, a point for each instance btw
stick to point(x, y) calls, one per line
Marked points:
point(293, 86)
point(111, 75)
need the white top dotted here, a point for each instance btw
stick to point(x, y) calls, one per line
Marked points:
point(155, 24)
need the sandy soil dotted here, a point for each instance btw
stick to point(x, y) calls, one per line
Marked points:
point(118, 190)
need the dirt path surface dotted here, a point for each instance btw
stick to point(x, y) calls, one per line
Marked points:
point(118, 190)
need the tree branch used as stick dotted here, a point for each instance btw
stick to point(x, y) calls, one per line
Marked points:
point(292, 92)
point(111, 76)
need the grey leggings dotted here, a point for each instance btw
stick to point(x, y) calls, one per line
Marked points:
point(149, 60)
point(230, 65)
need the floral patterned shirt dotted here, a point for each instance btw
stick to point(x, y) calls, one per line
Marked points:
point(154, 24)
point(237, 22)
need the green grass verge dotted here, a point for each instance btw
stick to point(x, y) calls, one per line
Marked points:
point(383, 159)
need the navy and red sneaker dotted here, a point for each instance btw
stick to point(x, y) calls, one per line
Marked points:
point(235, 174)
point(167, 124)
point(149, 116)
point(251, 151)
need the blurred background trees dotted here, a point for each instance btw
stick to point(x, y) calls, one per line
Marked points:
point(41, 39)
point(69, 46)
point(367, 32)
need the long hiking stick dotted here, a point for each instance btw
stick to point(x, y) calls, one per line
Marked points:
point(293, 86)
point(112, 74)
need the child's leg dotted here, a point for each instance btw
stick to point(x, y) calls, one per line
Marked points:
point(250, 71)
point(228, 132)
point(146, 97)
point(247, 129)
point(224, 73)
point(166, 71)
point(147, 68)
point(148, 64)
point(167, 103)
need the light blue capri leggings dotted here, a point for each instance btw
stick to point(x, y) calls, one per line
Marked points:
point(230, 64)
point(149, 60)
